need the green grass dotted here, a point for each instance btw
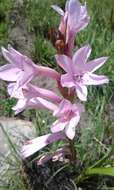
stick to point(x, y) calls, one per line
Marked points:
point(5, 9)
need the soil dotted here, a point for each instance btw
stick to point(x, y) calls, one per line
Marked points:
point(54, 176)
point(48, 177)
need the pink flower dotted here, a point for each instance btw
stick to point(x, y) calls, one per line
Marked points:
point(68, 115)
point(57, 155)
point(79, 71)
point(33, 103)
point(38, 143)
point(29, 96)
point(73, 20)
point(21, 68)
point(29, 91)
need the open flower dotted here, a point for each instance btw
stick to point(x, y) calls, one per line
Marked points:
point(68, 115)
point(22, 69)
point(79, 72)
point(38, 143)
point(33, 103)
point(29, 91)
point(74, 19)
point(28, 97)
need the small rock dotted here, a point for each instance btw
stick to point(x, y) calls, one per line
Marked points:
point(21, 40)
point(18, 131)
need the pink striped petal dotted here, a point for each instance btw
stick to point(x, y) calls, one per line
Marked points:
point(10, 88)
point(74, 8)
point(14, 92)
point(34, 145)
point(38, 143)
point(95, 64)
point(31, 91)
point(64, 62)
point(81, 91)
point(81, 56)
point(20, 60)
point(70, 128)
point(7, 55)
point(47, 104)
point(84, 19)
point(33, 103)
point(9, 72)
point(20, 106)
point(67, 81)
point(93, 79)
point(64, 106)
point(58, 126)
point(47, 72)
point(78, 17)
point(63, 23)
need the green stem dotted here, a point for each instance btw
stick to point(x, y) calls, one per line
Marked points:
point(81, 178)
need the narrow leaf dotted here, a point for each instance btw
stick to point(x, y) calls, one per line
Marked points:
point(100, 171)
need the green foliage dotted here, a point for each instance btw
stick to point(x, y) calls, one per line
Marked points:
point(5, 8)
point(6, 107)
point(43, 52)
point(3, 33)
point(41, 16)
point(101, 171)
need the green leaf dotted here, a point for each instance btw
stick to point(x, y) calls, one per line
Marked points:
point(100, 171)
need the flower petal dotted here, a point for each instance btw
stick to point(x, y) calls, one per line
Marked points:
point(70, 128)
point(64, 62)
point(93, 79)
point(47, 104)
point(81, 91)
point(24, 78)
point(21, 61)
point(95, 64)
point(66, 81)
point(58, 10)
point(33, 103)
point(7, 55)
point(74, 8)
point(10, 88)
point(30, 91)
point(84, 19)
point(38, 143)
point(81, 57)
point(62, 108)
point(58, 126)
point(9, 72)
point(14, 92)
point(78, 17)
point(20, 106)
point(34, 145)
